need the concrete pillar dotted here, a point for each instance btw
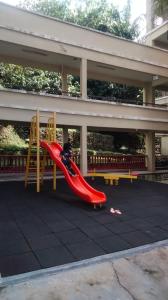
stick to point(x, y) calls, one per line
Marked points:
point(150, 151)
point(65, 135)
point(83, 78)
point(83, 150)
point(164, 145)
point(149, 94)
point(64, 83)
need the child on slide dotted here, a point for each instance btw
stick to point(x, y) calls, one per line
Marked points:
point(66, 155)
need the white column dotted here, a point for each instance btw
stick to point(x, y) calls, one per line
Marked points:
point(65, 135)
point(64, 83)
point(83, 150)
point(83, 78)
point(150, 151)
point(148, 94)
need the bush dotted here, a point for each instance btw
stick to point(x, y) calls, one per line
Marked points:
point(13, 149)
point(91, 152)
point(10, 142)
point(104, 153)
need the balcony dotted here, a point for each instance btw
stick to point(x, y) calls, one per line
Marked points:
point(21, 106)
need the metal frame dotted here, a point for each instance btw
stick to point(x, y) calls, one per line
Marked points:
point(34, 140)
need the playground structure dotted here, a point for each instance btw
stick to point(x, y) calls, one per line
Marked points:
point(77, 183)
point(113, 179)
point(34, 143)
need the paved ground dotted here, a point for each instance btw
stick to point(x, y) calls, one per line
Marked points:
point(49, 229)
point(140, 273)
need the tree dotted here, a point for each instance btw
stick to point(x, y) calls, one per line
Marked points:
point(116, 92)
point(10, 140)
point(29, 79)
point(155, 9)
point(128, 142)
point(161, 8)
point(53, 8)
point(96, 14)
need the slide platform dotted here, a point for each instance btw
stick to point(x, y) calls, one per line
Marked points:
point(77, 183)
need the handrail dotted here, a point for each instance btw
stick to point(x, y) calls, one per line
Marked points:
point(17, 163)
point(127, 101)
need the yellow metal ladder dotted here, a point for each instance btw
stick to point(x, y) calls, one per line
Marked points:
point(34, 143)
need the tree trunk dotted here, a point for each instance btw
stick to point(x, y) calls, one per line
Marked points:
point(150, 15)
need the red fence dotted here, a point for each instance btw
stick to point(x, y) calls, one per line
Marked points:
point(17, 163)
point(117, 162)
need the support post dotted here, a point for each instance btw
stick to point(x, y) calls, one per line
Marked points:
point(83, 150)
point(83, 78)
point(28, 157)
point(150, 150)
point(64, 83)
point(54, 137)
point(148, 94)
point(65, 135)
point(38, 149)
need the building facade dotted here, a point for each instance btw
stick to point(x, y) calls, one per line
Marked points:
point(34, 40)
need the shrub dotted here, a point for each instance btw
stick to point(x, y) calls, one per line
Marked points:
point(10, 142)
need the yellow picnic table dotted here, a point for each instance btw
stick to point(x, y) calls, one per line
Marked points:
point(112, 178)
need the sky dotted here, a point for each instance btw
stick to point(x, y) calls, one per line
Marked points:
point(138, 8)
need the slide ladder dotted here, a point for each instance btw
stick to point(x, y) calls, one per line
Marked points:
point(36, 159)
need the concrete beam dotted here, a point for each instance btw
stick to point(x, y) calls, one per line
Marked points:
point(143, 59)
point(76, 106)
point(160, 82)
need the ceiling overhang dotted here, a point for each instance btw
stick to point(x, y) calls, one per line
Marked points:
point(34, 40)
point(158, 36)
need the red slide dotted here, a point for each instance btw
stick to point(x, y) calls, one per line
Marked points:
point(77, 183)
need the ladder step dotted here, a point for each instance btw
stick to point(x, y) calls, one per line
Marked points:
point(34, 163)
point(31, 168)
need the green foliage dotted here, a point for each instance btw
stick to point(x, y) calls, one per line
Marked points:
point(25, 78)
point(128, 142)
point(117, 92)
point(54, 8)
point(10, 142)
point(161, 8)
point(97, 14)
point(73, 84)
